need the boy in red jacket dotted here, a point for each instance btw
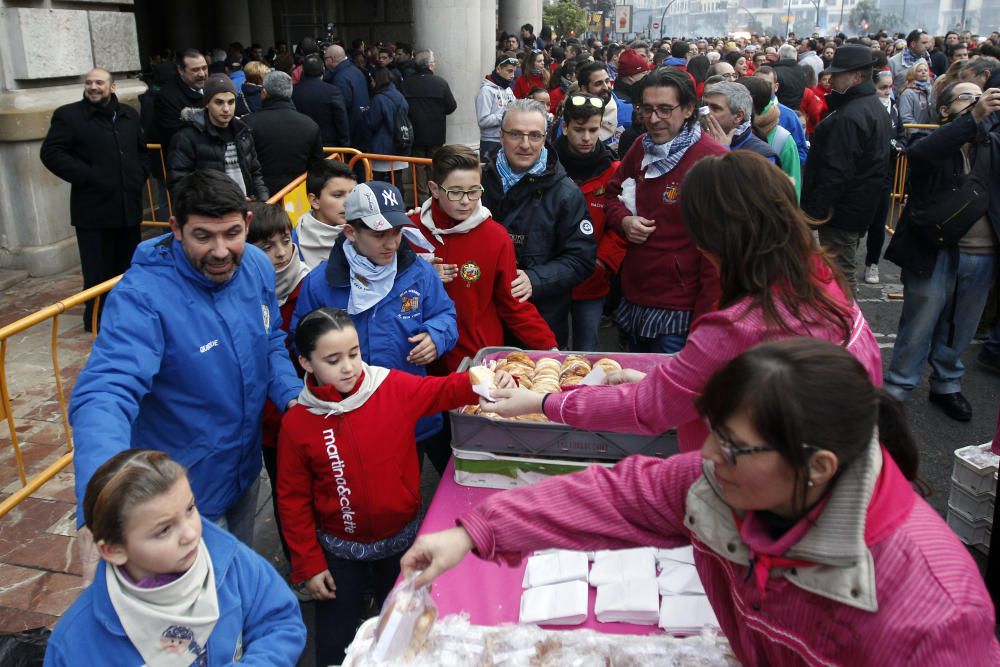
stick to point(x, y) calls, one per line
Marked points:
point(475, 259)
point(591, 165)
point(271, 231)
point(349, 481)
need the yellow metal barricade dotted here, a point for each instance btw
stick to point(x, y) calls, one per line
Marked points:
point(49, 314)
point(897, 199)
point(151, 185)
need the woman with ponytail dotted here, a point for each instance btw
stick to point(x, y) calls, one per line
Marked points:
point(808, 536)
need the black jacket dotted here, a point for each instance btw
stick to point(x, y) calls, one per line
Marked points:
point(324, 103)
point(173, 97)
point(936, 165)
point(198, 146)
point(102, 153)
point(288, 143)
point(792, 83)
point(848, 165)
point(548, 220)
point(430, 100)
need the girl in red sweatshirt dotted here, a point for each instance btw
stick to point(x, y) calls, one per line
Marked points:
point(348, 477)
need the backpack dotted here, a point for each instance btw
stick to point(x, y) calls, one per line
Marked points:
point(402, 130)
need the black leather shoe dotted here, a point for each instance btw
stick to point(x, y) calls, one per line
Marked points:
point(954, 405)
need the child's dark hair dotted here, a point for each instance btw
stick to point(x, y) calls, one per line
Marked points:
point(207, 192)
point(318, 176)
point(268, 220)
point(316, 323)
point(453, 157)
point(125, 480)
point(805, 391)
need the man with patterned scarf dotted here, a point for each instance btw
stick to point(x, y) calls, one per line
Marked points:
point(666, 282)
point(901, 63)
point(546, 215)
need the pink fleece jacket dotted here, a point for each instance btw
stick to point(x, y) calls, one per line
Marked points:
point(665, 398)
point(932, 607)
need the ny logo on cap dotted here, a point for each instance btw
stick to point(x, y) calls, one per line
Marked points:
point(389, 198)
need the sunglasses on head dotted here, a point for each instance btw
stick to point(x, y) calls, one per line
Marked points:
point(508, 61)
point(582, 100)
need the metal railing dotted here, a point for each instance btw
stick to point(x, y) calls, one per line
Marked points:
point(897, 200)
point(295, 202)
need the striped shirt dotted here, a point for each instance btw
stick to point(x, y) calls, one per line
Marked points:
point(647, 322)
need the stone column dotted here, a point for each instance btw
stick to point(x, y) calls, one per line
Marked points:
point(44, 53)
point(262, 23)
point(232, 22)
point(515, 13)
point(451, 28)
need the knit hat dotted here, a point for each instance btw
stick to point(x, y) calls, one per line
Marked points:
point(215, 84)
point(631, 62)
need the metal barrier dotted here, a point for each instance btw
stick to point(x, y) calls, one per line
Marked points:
point(149, 191)
point(897, 199)
point(289, 195)
point(367, 158)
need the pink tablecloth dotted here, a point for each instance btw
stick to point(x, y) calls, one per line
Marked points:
point(489, 593)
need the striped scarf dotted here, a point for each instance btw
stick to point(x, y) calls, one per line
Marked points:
point(661, 158)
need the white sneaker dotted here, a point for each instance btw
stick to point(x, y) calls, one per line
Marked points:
point(871, 274)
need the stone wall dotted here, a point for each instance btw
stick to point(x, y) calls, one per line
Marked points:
point(44, 52)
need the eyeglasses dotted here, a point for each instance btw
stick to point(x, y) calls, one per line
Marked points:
point(730, 76)
point(732, 453)
point(965, 97)
point(456, 195)
point(583, 100)
point(518, 136)
point(663, 111)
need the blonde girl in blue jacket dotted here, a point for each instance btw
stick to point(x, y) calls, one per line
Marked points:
point(171, 590)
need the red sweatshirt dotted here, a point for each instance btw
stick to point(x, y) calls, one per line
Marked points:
point(525, 83)
point(666, 271)
point(355, 475)
point(611, 244)
point(481, 291)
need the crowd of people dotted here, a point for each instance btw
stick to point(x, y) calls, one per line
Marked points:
point(707, 197)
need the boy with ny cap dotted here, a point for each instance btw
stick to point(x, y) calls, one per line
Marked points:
point(404, 317)
point(213, 138)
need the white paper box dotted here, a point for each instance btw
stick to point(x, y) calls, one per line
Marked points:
point(623, 565)
point(635, 601)
point(555, 567)
point(557, 604)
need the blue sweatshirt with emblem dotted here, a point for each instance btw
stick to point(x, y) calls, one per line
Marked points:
point(184, 365)
point(417, 303)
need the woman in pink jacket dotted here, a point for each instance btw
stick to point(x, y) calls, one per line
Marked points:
point(809, 539)
point(742, 214)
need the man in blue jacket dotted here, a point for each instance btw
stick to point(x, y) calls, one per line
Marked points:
point(404, 317)
point(190, 349)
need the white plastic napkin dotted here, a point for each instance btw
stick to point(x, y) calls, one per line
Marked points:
point(553, 567)
point(636, 601)
point(623, 565)
point(686, 614)
point(679, 579)
point(556, 604)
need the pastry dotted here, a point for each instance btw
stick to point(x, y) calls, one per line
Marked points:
point(480, 375)
point(609, 365)
point(521, 358)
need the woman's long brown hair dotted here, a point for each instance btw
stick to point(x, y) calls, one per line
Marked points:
point(741, 209)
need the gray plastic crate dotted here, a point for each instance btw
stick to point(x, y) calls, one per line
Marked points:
point(476, 433)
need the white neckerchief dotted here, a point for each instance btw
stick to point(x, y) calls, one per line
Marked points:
point(169, 625)
point(369, 283)
point(609, 120)
point(316, 239)
point(286, 279)
point(427, 220)
point(373, 377)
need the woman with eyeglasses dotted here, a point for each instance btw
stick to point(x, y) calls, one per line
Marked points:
point(534, 74)
point(741, 215)
point(808, 537)
point(945, 289)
